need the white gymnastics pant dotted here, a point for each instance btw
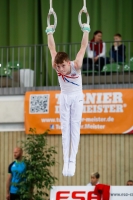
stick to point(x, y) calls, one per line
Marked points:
point(71, 107)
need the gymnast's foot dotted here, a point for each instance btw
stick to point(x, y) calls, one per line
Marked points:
point(71, 168)
point(65, 169)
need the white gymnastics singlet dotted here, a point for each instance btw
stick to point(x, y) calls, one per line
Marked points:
point(71, 83)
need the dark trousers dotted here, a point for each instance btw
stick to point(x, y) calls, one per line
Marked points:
point(89, 64)
point(14, 196)
point(116, 57)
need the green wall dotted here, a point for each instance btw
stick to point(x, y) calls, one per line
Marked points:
point(23, 22)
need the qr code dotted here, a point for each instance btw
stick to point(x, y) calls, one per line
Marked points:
point(39, 104)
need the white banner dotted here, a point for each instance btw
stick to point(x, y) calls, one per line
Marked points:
point(86, 193)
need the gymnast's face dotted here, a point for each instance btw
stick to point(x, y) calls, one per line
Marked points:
point(64, 68)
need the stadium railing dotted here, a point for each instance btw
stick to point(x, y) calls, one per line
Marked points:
point(24, 68)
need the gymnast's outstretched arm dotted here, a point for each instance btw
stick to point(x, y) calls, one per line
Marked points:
point(80, 55)
point(51, 44)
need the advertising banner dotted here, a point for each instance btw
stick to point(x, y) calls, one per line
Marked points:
point(105, 111)
point(86, 193)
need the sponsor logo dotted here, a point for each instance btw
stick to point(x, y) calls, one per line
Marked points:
point(80, 195)
point(51, 126)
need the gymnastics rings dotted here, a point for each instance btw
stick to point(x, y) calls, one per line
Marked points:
point(84, 9)
point(51, 12)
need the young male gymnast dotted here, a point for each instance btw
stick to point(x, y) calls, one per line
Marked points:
point(71, 97)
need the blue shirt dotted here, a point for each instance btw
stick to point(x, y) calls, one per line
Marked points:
point(15, 168)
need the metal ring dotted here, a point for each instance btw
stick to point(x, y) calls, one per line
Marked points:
point(55, 19)
point(79, 17)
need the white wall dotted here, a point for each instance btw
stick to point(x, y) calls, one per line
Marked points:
point(11, 113)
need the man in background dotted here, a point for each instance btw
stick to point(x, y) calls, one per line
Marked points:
point(16, 168)
point(94, 179)
point(130, 183)
point(118, 50)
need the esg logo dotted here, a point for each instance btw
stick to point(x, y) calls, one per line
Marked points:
point(80, 195)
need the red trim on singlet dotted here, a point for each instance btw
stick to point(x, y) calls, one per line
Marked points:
point(66, 76)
